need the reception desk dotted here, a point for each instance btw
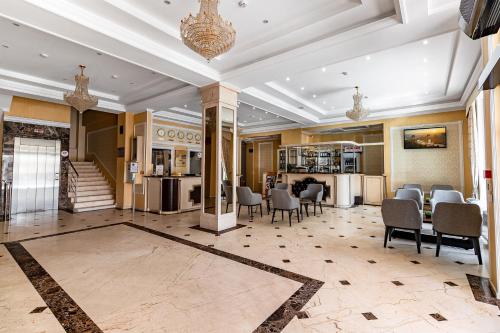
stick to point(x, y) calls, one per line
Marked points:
point(340, 190)
point(171, 195)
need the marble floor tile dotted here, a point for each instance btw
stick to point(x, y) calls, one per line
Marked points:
point(127, 279)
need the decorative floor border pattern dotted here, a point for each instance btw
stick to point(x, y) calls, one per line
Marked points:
point(481, 290)
point(74, 320)
point(217, 233)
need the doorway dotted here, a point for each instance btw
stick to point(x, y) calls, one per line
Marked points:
point(35, 185)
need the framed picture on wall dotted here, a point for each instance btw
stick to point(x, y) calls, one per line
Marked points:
point(180, 158)
point(425, 138)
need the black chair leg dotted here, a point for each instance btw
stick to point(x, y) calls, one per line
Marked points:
point(260, 206)
point(298, 216)
point(290, 217)
point(320, 207)
point(418, 238)
point(314, 208)
point(438, 243)
point(387, 231)
point(282, 215)
point(477, 249)
point(239, 208)
point(272, 219)
point(306, 206)
point(227, 206)
point(390, 234)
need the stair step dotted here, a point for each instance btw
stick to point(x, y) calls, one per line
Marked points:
point(92, 198)
point(89, 187)
point(95, 203)
point(89, 193)
point(85, 182)
point(91, 178)
point(89, 209)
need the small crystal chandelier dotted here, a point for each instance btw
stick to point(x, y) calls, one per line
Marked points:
point(358, 112)
point(80, 99)
point(207, 33)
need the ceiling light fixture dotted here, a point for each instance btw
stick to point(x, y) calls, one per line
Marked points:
point(368, 57)
point(426, 60)
point(243, 3)
point(287, 78)
point(314, 96)
point(207, 33)
point(44, 55)
point(114, 76)
point(425, 42)
point(302, 88)
point(323, 69)
point(358, 112)
point(80, 99)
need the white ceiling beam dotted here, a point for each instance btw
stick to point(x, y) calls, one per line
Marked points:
point(165, 101)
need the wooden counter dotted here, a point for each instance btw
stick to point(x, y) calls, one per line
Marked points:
point(170, 195)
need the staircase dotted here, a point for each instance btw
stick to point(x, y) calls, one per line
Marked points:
point(88, 189)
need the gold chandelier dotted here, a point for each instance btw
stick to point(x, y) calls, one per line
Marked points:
point(80, 99)
point(207, 33)
point(358, 112)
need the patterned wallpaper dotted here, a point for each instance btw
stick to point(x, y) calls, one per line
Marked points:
point(428, 166)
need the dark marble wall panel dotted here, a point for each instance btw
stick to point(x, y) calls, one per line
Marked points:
point(12, 130)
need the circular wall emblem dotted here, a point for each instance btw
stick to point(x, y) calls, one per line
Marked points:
point(180, 135)
point(171, 134)
point(197, 137)
point(190, 136)
point(161, 132)
point(64, 153)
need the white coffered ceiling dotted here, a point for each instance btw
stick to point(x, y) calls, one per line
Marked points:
point(299, 69)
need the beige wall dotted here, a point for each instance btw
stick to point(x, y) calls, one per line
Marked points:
point(252, 163)
point(35, 109)
point(102, 144)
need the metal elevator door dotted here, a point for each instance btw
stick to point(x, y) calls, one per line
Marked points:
point(35, 185)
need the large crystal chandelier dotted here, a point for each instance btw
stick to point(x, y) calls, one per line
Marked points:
point(80, 99)
point(207, 33)
point(358, 112)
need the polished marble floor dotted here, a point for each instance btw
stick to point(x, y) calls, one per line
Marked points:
point(148, 273)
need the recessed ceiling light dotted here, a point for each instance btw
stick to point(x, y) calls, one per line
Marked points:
point(368, 57)
point(302, 88)
point(324, 102)
point(253, 107)
point(114, 76)
point(314, 96)
point(185, 106)
point(425, 42)
point(287, 78)
point(426, 60)
point(323, 69)
point(267, 112)
point(265, 21)
point(44, 55)
point(244, 121)
point(260, 119)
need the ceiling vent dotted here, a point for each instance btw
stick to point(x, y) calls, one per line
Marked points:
point(480, 17)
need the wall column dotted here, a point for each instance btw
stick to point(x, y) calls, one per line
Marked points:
point(125, 133)
point(220, 104)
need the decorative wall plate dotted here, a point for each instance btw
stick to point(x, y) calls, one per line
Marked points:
point(180, 135)
point(189, 136)
point(197, 137)
point(160, 132)
point(171, 134)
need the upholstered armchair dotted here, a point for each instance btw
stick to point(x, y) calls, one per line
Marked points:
point(283, 201)
point(458, 219)
point(402, 214)
point(247, 198)
point(411, 194)
point(434, 188)
point(445, 196)
point(228, 193)
point(314, 192)
point(414, 186)
point(281, 186)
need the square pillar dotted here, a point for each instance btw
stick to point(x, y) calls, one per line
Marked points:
point(219, 166)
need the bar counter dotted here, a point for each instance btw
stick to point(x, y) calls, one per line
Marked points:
point(341, 189)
